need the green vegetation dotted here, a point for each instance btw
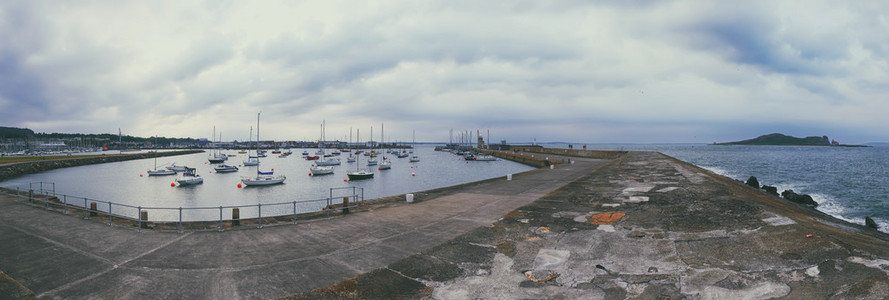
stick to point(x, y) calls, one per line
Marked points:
point(780, 139)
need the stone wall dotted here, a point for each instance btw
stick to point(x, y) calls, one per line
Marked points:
point(31, 167)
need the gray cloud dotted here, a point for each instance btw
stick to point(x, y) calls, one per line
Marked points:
point(609, 71)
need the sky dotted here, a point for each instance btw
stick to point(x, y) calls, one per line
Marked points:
point(569, 71)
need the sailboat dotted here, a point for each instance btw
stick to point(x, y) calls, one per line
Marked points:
point(253, 160)
point(262, 178)
point(324, 160)
point(386, 164)
point(217, 157)
point(160, 172)
point(414, 158)
point(360, 174)
point(189, 177)
point(351, 157)
point(372, 161)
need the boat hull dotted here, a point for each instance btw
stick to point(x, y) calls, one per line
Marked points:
point(263, 180)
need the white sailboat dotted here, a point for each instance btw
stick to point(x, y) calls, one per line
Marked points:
point(385, 164)
point(160, 172)
point(414, 158)
point(262, 178)
point(324, 159)
point(360, 174)
point(253, 160)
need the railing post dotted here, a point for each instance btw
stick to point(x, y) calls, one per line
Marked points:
point(46, 200)
point(294, 212)
point(86, 209)
point(220, 219)
point(328, 207)
point(180, 219)
point(140, 218)
point(109, 213)
point(260, 215)
point(65, 203)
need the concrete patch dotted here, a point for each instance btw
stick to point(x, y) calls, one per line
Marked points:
point(636, 199)
point(550, 259)
point(637, 189)
point(610, 204)
point(880, 264)
point(762, 290)
point(779, 221)
point(667, 189)
point(606, 228)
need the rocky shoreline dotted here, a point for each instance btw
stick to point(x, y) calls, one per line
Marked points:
point(13, 170)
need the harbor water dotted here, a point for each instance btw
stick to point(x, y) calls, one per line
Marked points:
point(127, 183)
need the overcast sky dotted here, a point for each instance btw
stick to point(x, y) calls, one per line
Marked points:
point(576, 71)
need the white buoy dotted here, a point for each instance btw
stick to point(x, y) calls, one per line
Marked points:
point(508, 176)
point(410, 198)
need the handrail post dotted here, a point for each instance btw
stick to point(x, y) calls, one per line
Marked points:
point(180, 219)
point(220, 218)
point(86, 210)
point(140, 218)
point(259, 209)
point(65, 201)
point(294, 212)
point(109, 213)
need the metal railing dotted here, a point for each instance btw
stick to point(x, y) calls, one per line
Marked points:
point(351, 198)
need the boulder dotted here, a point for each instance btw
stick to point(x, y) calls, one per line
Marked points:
point(770, 189)
point(870, 223)
point(792, 196)
point(752, 181)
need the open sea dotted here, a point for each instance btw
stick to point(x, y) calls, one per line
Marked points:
point(848, 183)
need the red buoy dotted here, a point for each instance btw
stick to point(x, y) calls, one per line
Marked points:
point(345, 180)
point(310, 173)
point(239, 185)
point(413, 174)
point(172, 184)
point(140, 175)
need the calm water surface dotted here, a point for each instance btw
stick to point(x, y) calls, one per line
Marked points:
point(127, 182)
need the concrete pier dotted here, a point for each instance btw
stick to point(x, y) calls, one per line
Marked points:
point(643, 226)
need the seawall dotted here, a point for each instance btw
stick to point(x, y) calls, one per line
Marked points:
point(12, 170)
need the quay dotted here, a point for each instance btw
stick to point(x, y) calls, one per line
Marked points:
point(639, 226)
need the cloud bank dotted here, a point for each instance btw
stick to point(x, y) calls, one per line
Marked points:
point(601, 71)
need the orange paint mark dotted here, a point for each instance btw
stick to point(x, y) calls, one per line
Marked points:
point(606, 218)
point(543, 229)
point(533, 238)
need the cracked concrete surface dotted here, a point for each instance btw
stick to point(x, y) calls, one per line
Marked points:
point(696, 235)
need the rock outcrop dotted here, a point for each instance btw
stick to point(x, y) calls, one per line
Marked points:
point(792, 196)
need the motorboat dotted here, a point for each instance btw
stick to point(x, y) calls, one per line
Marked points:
point(251, 161)
point(320, 170)
point(328, 162)
point(176, 168)
point(385, 165)
point(189, 177)
point(225, 169)
point(483, 157)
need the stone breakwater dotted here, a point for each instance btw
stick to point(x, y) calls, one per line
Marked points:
point(18, 169)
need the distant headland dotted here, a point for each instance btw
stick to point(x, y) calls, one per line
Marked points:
point(777, 139)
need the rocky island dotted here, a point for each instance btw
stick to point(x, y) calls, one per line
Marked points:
point(777, 139)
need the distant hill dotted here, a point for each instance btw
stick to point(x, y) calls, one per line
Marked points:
point(13, 132)
point(782, 140)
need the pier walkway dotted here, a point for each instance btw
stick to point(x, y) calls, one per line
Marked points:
point(62, 256)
